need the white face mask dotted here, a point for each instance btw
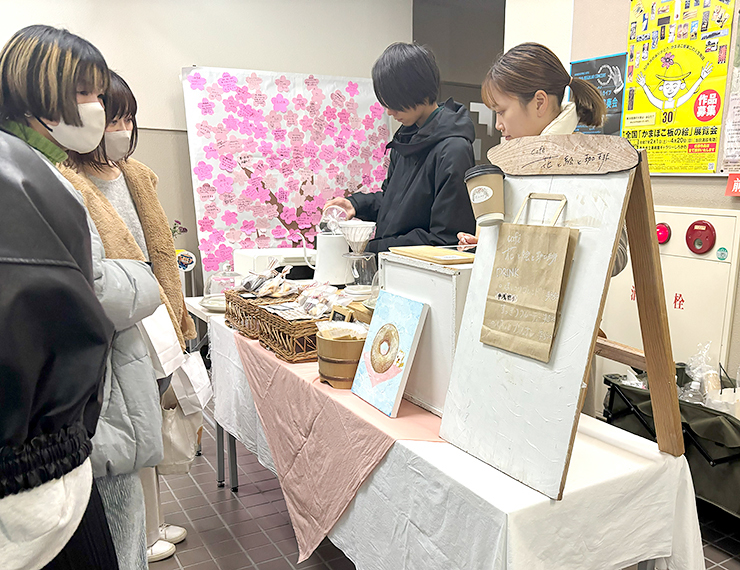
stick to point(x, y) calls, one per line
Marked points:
point(117, 144)
point(85, 138)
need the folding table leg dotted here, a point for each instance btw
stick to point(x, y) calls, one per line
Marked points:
point(647, 565)
point(233, 473)
point(220, 455)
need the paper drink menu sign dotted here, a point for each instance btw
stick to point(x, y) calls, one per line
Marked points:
point(529, 276)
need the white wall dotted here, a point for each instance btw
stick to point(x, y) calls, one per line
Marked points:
point(600, 28)
point(548, 22)
point(149, 41)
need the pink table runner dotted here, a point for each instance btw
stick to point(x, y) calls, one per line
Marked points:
point(324, 442)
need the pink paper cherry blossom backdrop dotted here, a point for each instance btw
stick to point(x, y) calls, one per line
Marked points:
point(269, 149)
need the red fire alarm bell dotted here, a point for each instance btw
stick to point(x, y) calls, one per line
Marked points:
point(664, 232)
point(700, 236)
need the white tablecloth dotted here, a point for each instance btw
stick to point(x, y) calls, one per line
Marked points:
point(430, 506)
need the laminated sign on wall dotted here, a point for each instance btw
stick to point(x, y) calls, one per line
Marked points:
point(607, 75)
point(268, 150)
point(677, 63)
point(529, 276)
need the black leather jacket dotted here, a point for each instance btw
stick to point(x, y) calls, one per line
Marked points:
point(54, 335)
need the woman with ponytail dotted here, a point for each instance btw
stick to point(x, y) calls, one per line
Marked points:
point(525, 87)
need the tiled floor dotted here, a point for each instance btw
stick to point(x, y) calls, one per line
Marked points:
point(251, 529)
point(721, 535)
point(230, 531)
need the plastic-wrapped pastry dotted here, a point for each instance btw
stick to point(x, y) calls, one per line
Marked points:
point(253, 281)
point(318, 310)
point(278, 286)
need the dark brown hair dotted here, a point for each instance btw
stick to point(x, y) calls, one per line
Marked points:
point(530, 67)
point(41, 68)
point(120, 103)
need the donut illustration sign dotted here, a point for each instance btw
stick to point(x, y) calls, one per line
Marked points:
point(386, 360)
point(676, 83)
point(388, 352)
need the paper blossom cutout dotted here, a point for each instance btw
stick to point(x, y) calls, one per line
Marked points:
point(227, 82)
point(206, 107)
point(282, 84)
point(196, 81)
point(352, 88)
point(203, 171)
point(215, 92)
point(311, 82)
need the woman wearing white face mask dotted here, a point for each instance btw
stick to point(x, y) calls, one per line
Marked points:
point(128, 432)
point(121, 196)
point(128, 437)
point(51, 100)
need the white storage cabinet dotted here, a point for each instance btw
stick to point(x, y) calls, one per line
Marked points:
point(444, 288)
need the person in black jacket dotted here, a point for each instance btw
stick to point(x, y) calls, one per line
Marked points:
point(424, 200)
point(54, 333)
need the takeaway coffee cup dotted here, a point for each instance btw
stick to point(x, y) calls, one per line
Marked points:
point(486, 190)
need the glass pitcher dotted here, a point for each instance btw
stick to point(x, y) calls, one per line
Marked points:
point(361, 268)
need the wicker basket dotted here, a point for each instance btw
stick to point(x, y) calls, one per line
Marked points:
point(292, 341)
point(243, 314)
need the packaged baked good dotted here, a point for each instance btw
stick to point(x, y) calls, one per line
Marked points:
point(278, 285)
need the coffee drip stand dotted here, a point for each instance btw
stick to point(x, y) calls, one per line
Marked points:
point(361, 265)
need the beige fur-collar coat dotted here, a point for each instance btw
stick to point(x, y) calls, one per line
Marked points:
point(120, 244)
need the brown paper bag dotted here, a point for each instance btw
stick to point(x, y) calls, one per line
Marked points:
point(527, 284)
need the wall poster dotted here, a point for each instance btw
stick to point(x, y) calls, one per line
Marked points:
point(607, 74)
point(677, 66)
point(268, 150)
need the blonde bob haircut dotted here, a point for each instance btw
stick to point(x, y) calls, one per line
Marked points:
point(41, 70)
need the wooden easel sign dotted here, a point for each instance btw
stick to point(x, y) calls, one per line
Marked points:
point(519, 414)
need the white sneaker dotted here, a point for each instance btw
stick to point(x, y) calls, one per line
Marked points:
point(159, 551)
point(172, 533)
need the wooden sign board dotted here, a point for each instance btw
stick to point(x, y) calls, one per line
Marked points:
point(518, 414)
point(564, 155)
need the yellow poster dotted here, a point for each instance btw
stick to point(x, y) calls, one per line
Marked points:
point(677, 61)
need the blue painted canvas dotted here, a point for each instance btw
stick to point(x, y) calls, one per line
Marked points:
point(389, 351)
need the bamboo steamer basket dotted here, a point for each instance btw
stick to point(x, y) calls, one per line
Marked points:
point(338, 360)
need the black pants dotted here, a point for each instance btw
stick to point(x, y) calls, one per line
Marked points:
point(91, 546)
